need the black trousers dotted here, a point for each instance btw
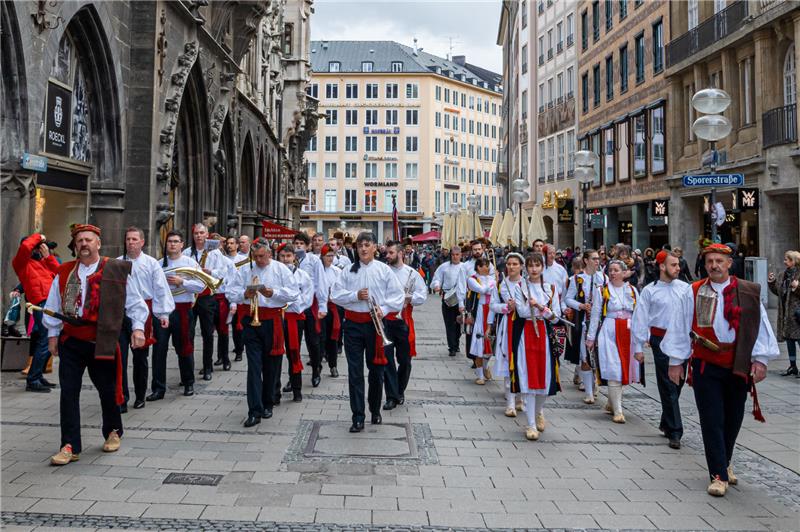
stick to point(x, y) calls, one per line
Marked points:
point(295, 379)
point(77, 356)
point(223, 336)
point(185, 363)
point(204, 311)
point(313, 342)
point(263, 369)
point(140, 362)
point(238, 343)
point(451, 326)
point(398, 370)
point(332, 346)
point(720, 396)
point(670, 393)
point(359, 347)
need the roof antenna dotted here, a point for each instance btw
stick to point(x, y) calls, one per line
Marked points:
point(416, 50)
point(450, 54)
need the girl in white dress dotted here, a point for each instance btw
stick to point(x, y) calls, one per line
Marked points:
point(610, 328)
point(482, 284)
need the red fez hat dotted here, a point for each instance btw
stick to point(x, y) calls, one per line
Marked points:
point(325, 250)
point(717, 248)
point(661, 256)
point(281, 246)
point(80, 228)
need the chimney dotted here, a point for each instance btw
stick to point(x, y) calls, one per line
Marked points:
point(460, 59)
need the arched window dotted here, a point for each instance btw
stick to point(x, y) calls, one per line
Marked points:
point(789, 78)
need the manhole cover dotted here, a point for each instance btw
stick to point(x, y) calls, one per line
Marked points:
point(193, 479)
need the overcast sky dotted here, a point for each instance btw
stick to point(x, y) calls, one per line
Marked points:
point(472, 25)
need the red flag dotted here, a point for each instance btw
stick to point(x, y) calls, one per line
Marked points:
point(395, 221)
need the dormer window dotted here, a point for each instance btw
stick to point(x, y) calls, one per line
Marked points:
point(334, 66)
point(397, 66)
point(366, 66)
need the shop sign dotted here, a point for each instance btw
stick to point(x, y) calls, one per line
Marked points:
point(597, 221)
point(380, 158)
point(36, 163)
point(566, 214)
point(659, 208)
point(380, 183)
point(448, 160)
point(451, 110)
point(382, 130)
point(58, 119)
point(746, 199)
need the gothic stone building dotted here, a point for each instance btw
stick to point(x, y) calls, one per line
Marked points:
point(158, 114)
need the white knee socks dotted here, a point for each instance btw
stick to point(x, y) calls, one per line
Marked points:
point(587, 377)
point(509, 396)
point(540, 399)
point(479, 372)
point(615, 396)
point(530, 408)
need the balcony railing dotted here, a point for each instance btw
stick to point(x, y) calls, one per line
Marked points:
point(541, 7)
point(549, 54)
point(570, 40)
point(559, 47)
point(708, 32)
point(780, 125)
point(541, 60)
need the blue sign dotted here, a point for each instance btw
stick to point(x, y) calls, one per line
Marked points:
point(36, 163)
point(714, 180)
point(382, 130)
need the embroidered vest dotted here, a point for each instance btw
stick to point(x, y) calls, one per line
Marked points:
point(69, 287)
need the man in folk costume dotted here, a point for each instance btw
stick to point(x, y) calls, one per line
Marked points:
point(649, 324)
point(238, 344)
point(332, 324)
point(91, 295)
point(722, 325)
point(293, 316)
point(573, 351)
point(260, 291)
point(146, 272)
point(310, 263)
point(477, 251)
point(400, 327)
point(449, 282)
point(340, 258)
point(368, 291)
point(183, 289)
point(206, 308)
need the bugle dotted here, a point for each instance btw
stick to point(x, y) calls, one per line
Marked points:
point(374, 312)
point(255, 322)
point(211, 282)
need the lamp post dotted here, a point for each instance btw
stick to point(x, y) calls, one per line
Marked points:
point(585, 172)
point(520, 195)
point(711, 127)
point(473, 205)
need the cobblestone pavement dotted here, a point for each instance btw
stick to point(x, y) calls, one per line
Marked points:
point(447, 459)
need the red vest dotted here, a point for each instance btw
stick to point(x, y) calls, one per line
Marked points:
point(91, 300)
point(725, 356)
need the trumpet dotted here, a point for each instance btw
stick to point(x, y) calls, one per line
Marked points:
point(374, 312)
point(407, 291)
point(255, 322)
point(242, 262)
point(211, 282)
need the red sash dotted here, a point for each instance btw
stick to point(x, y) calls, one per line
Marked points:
point(149, 338)
point(274, 315)
point(337, 323)
point(315, 312)
point(293, 340)
point(623, 335)
point(365, 317)
point(657, 331)
point(487, 345)
point(408, 317)
point(536, 354)
point(222, 316)
point(187, 346)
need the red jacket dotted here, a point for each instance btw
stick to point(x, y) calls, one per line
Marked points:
point(36, 276)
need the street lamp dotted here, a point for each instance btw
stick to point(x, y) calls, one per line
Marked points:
point(585, 172)
point(473, 205)
point(711, 127)
point(520, 195)
point(455, 210)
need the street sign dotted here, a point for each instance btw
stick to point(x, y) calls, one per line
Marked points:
point(37, 163)
point(714, 180)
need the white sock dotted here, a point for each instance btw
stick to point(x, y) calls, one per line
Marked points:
point(479, 372)
point(530, 408)
point(588, 382)
point(540, 399)
point(615, 396)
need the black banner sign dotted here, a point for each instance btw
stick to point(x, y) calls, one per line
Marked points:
point(659, 208)
point(566, 214)
point(59, 120)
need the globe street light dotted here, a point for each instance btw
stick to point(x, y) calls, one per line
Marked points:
point(585, 173)
point(473, 205)
point(520, 195)
point(712, 127)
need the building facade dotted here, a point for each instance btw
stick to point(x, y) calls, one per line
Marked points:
point(555, 188)
point(508, 37)
point(622, 116)
point(158, 114)
point(748, 49)
point(402, 127)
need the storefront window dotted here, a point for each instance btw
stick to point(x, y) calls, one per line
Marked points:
point(657, 139)
point(595, 140)
point(624, 163)
point(639, 147)
point(608, 155)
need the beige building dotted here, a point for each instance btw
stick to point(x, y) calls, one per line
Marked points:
point(402, 126)
point(747, 48)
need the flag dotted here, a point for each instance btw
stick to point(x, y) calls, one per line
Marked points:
point(395, 221)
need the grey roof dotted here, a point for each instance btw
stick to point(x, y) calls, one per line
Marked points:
point(350, 55)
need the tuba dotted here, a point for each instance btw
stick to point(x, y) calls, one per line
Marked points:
point(255, 322)
point(187, 271)
point(377, 321)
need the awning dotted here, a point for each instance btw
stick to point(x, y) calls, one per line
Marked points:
point(427, 237)
point(276, 231)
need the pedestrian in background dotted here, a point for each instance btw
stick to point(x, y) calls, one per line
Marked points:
point(685, 275)
point(786, 285)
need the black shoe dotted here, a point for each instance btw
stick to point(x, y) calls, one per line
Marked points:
point(674, 443)
point(137, 404)
point(390, 404)
point(47, 383)
point(218, 363)
point(155, 396)
point(252, 421)
point(315, 380)
point(267, 414)
point(188, 390)
point(357, 426)
point(338, 350)
point(376, 419)
point(402, 400)
point(473, 366)
point(123, 408)
point(226, 366)
point(207, 376)
point(238, 358)
point(791, 370)
point(287, 388)
point(334, 372)
point(452, 353)
point(298, 396)
point(276, 401)
point(37, 387)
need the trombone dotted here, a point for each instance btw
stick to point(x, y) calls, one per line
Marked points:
point(374, 312)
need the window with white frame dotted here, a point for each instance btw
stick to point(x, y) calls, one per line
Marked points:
point(371, 143)
point(560, 156)
point(389, 197)
point(412, 144)
point(351, 117)
point(330, 170)
point(437, 201)
point(372, 117)
point(748, 85)
point(350, 200)
point(351, 143)
point(351, 91)
point(313, 90)
point(412, 90)
point(570, 151)
point(570, 82)
point(311, 205)
point(391, 171)
point(312, 143)
point(411, 201)
point(370, 170)
point(312, 170)
point(367, 66)
point(437, 146)
point(397, 66)
point(412, 117)
point(372, 91)
point(331, 91)
point(330, 143)
point(437, 119)
point(332, 117)
point(370, 200)
point(334, 66)
point(437, 172)
point(392, 91)
point(693, 11)
point(391, 144)
point(350, 170)
point(412, 170)
point(438, 93)
point(391, 117)
point(330, 200)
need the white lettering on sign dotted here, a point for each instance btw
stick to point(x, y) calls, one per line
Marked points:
point(56, 137)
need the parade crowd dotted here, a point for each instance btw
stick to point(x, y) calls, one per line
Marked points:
point(524, 314)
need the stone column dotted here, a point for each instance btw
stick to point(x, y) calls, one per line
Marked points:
point(767, 81)
point(16, 216)
point(730, 82)
point(641, 228)
point(611, 231)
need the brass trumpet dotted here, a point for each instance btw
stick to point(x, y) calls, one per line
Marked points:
point(374, 312)
point(255, 322)
point(211, 282)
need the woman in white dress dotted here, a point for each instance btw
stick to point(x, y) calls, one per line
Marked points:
point(482, 284)
point(610, 328)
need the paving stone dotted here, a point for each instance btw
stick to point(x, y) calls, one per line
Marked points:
point(455, 519)
point(630, 522)
point(232, 513)
point(370, 503)
point(511, 520)
point(346, 489)
point(343, 517)
point(678, 522)
point(60, 506)
point(566, 521)
point(179, 511)
point(18, 504)
point(286, 515)
point(126, 509)
point(318, 501)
